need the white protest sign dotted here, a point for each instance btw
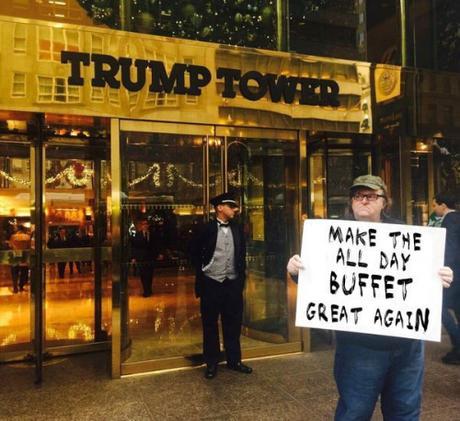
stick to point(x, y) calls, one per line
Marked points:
point(371, 278)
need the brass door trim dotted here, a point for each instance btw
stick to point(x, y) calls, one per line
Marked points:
point(270, 350)
point(256, 132)
point(62, 350)
point(75, 254)
point(10, 257)
point(183, 362)
point(166, 128)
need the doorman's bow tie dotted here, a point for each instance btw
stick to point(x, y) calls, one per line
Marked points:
point(223, 224)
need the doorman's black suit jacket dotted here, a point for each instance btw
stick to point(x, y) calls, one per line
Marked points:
point(204, 244)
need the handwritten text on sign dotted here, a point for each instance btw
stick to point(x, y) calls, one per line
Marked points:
point(371, 278)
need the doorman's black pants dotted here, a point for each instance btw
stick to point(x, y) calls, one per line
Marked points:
point(225, 300)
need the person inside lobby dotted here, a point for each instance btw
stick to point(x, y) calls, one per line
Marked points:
point(145, 249)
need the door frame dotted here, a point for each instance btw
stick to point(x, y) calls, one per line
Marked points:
point(119, 297)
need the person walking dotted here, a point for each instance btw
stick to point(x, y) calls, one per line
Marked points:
point(20, 241)
point(219, 257)
point(444, 207)
point(367, 366)
point(144, 251)
point(60, 241)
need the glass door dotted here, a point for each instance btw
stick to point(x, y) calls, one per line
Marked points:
point(168, 173)
point(76, 238)
point(16, 242)
point(164, 168)
point(262, 171)
point(21, 321)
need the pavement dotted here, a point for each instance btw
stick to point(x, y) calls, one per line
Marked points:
point(290, 387)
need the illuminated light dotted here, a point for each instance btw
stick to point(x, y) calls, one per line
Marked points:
point(422, 146)
point(16, 125)
point(9, 340)
point(80, 330)
point(59, 15)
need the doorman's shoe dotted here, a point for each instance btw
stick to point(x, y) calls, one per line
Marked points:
point(240, 367)
point(211, 371)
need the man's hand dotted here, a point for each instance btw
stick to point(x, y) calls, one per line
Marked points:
point(446, 275)
point(294, 265)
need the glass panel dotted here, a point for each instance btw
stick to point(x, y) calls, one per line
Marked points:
point(16, 238)
point(327, 28)
point(262, 173)
point(78, 274)
point(421, 202)
point(446, 155)
point(317, 179)
point(388, 158)
point(333, 164)
point(162, 199)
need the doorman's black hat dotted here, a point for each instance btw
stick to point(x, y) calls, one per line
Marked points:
point(224, 199)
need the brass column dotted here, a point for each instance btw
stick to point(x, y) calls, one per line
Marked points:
point(37, 266)
point(115, 165)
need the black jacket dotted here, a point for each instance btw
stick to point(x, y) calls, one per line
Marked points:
point(451, 222)
point(203, 246)
point(144, 250)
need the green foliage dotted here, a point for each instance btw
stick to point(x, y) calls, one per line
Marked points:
point(250, 23)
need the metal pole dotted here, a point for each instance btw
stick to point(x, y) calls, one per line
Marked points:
point(282, 25)
point(402, 4)
point(98, 228)
point(125, 15)
point(117, 300)
point(38, 279)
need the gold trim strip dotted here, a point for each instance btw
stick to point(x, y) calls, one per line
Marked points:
point(168, 128)
point(58, 351)
point(183, 362)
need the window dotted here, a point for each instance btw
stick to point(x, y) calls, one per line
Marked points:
point(18, 89)
point(51, 41)
point(97, 44)
point(114, 97)
point(97, 94)
point(20, 38)
point(161, 99)
point(57, 90)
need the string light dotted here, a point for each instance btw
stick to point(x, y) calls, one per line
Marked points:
point(82, 330)
point(235, 178)
point(153, 170)
point(69, 173)
point(14, 179)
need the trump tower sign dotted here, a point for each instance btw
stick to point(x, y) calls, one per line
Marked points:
point(371, 278)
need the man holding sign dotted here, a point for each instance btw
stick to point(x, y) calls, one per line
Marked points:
point(367, 281)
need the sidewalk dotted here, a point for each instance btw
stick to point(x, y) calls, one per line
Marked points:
point(293, 387)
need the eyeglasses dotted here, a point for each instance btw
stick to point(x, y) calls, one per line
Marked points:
point(371, 197)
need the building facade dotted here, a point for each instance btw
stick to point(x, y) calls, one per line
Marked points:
point(102, 128)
